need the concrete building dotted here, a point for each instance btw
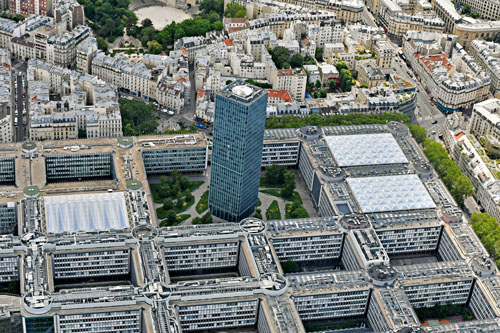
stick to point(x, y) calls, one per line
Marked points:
point(293, 80)
point(487, 54)
point(390, 240)
point(452, 77)
point(237, 152)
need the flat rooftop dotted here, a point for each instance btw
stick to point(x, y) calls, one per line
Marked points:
point(88, 212)
point(365, 149)
point(390, 193)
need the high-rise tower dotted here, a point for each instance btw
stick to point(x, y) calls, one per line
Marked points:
point(240, 118)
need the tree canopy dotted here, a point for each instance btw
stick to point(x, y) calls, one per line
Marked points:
point(281, 57)
point(487, 229)
point(335, 120)
point(297, 60)
point(137, 118)
point(275, 174)
point(108, 18)
point(459, 185)
point(234, 9)
point(418, 132)
point(290, 266)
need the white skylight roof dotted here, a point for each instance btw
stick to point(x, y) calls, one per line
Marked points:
point(390, 193)
point(365, 149)
point(97, 211)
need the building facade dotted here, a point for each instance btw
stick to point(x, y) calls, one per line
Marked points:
point(240, 113)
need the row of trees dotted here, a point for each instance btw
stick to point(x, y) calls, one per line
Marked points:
point(137, 118)
point(335, 120)
point(487, 229)
point(459, 185)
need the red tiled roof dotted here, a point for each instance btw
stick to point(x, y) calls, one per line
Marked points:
point(228, 42)
point(283, 94)
point(235, 20)
point(282, 72)
point(459, 135)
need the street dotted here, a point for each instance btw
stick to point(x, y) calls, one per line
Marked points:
point(426, 114)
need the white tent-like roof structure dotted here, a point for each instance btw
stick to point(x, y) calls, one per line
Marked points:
point(96, 211)
point(365, 149)
point(390, 193)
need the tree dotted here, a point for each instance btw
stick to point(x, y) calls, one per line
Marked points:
point(299, 213)
point(281, 57)
point(297, 60)
point(154, 47)
point(196, 220)
point(315, 94)
point(319, 54)
point(290, 266)
point(206, 219)
point(341, 65)
point(322, 93)
point(289, 188)
point(418, 132)
point(146, 23)
point(206, 6)
point(332, 84)
point(137, 117)
point(228, 82)
point(102, 44)
point(168, 204)
point(217, 25)
point(317, 84)
point(234, 9)
point(308, 60)
point(275, 174)
point(171, 217)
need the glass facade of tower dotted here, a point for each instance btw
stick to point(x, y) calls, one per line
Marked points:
point(240, 118)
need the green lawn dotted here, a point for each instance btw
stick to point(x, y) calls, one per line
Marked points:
point(288, 211)
point(202, 205)
point(273, 211)
point(180, 218)
point(277, 193)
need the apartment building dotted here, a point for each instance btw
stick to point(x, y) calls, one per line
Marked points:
point(451, 76)
point(487, 54)
point(292, 80)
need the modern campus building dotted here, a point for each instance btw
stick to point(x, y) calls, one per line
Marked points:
point(237, 150)
point(389, 240)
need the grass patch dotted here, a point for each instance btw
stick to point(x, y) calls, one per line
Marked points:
point(202, 205)
point(273, 211)
point(288, 211)
point(185, 206)
point(259, 203)
point(180, 218)
point(277, 193)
